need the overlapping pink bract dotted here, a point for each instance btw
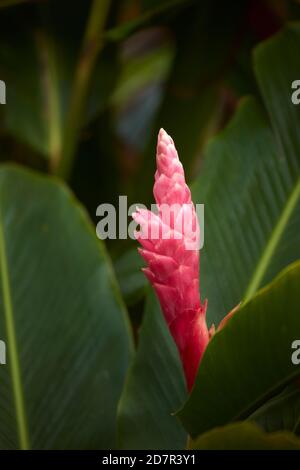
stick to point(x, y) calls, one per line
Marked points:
point(171, 249)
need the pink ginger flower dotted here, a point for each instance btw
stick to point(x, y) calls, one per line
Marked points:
point(170, 246)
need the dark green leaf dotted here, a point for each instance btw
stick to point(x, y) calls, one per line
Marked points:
point(155, 387)
point(132, 281)
point(252, 211)
point(62, 318)
point(277, 65)
point(281, 412)
point(250, 359)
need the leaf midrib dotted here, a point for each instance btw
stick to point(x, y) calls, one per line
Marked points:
point(272, 243)
point(12, 345)
point(248, 410)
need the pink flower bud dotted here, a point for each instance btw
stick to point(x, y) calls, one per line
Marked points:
point(170, 246)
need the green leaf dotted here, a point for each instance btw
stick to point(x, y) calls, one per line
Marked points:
point(29, 76)
point(132, 281)
point(281, 412)
point(277, 65)
point(252, 211)
point(155, 388)
point(62, 318)
point(250, 238)
point(245, 436)
point(250, 359)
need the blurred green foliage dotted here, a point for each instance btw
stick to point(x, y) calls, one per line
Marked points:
point(88, 85)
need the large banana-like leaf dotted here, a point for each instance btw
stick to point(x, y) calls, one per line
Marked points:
point(252, 211)
point(154, 389)
point(250, 185)
point(245, 436)
point(250, 359)
point(62, 320)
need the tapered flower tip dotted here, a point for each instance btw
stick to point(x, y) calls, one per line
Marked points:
point(165, 144)
point(166, 151)
point(169, 187)
point(163, 136)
